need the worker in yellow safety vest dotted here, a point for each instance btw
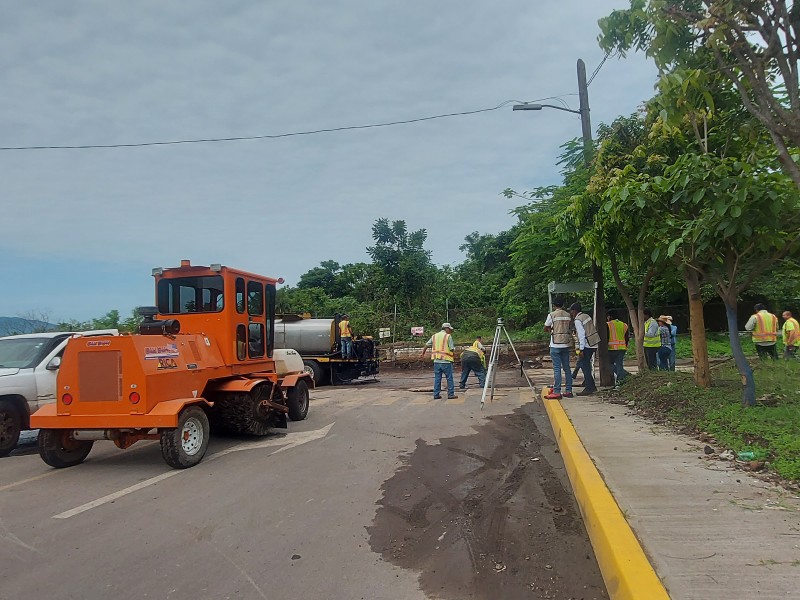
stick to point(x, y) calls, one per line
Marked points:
point(346, 336)
point(443, 353)
point(764, 326)
point(652, 340)
point(790, 334)
point(473, 359)
point(618, 338)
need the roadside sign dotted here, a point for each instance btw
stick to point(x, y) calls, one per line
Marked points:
point(384, 332)
point(417, 331)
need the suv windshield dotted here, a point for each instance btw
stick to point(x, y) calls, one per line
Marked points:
point(23, 353)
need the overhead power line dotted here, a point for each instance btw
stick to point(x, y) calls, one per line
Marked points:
point(597, 70)
point(278, 135)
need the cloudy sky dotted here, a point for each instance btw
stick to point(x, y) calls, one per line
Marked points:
point(81, 229)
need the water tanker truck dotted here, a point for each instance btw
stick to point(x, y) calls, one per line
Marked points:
point(204, 355)
point(318, 342)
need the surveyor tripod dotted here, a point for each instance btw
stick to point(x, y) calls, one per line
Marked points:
point(494, 357)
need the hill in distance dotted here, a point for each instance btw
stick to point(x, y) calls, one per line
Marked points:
point(17, 325)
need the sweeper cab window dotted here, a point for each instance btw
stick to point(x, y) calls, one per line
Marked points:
point(190, 295)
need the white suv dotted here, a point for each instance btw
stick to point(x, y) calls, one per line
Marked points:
point(28, 367)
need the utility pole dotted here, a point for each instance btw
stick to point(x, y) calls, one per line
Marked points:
point(606, 376)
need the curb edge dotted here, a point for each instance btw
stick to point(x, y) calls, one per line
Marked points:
point(626, 571)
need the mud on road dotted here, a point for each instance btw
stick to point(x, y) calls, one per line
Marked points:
point(488, 516)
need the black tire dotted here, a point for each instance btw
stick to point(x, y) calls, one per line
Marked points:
point(10, 427)
point(314, 369)
point(59, 450)
point(185, 446)
point(297, 401)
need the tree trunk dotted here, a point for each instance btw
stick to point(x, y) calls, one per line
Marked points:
point(697, 325)
point(637, 320)
point(748, 383)
point(606, 374)
point(633, 316)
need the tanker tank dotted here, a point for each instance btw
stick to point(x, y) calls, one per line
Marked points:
point(307, 336)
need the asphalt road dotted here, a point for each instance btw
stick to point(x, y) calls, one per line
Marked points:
point(380, 493)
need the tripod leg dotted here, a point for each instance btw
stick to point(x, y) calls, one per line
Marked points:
point(521, 366)
point(490, 373)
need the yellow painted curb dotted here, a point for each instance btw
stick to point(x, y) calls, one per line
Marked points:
point(626, 571)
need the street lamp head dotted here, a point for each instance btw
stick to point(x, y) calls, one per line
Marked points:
point(527, 107)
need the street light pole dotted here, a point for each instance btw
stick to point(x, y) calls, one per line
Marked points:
point(606, 376)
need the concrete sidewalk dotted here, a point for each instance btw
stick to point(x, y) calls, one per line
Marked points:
point(710, 531)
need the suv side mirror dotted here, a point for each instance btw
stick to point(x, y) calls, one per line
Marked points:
point(54, 364)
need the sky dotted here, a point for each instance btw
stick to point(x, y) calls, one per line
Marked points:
point(81, 229)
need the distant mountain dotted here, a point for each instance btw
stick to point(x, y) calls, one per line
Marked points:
point(15, 325)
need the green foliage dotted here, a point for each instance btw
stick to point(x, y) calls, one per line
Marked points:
point(769, 429)
point(696, 44)
point(405, 267)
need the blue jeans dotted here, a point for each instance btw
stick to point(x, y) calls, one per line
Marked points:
point(560, 358)
point(585, 364)
point(347, 347)
point(446, 369)
point(664, 352)
point(672, 359)
point(618, 364)
point(472, 365)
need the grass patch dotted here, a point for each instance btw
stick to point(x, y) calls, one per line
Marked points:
point(719, 345)
point(771, 429)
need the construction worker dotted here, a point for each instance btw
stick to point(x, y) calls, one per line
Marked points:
point(346, 335)
point(764, 326)
point(478, 345)
point(473, 359)
point(652, 340)
point(559, 325)
point(588, 338)
point(442, 352)
point(790, 334)
point(618, 338)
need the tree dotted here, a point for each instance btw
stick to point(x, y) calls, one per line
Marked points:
point(325, 277)
point(609, 235)
point(406, 267)
point(716, 205)
point(753, 42)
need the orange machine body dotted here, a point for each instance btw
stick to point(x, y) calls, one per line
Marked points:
point(140, 382)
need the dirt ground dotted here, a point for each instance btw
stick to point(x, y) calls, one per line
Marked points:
point(488, 515)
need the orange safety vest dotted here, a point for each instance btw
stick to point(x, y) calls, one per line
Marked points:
point(344, 329)
point(766, 327)
point(616, 335)
point(441, 347)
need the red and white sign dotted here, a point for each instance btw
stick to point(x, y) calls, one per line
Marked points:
point(417, 331)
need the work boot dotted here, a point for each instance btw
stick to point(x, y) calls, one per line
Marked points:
point(437, 397)
point(451, 397)
point(587, 393)
point(462, 387)
point(568, 394)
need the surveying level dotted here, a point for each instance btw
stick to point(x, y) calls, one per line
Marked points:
point(494, 357)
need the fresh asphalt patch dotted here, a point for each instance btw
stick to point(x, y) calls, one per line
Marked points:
point(488, 515)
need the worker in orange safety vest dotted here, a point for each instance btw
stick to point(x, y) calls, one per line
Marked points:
point(764, 326)
point(618, 338)
point(443, 353)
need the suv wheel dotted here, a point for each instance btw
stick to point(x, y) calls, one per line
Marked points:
point(10, 427)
